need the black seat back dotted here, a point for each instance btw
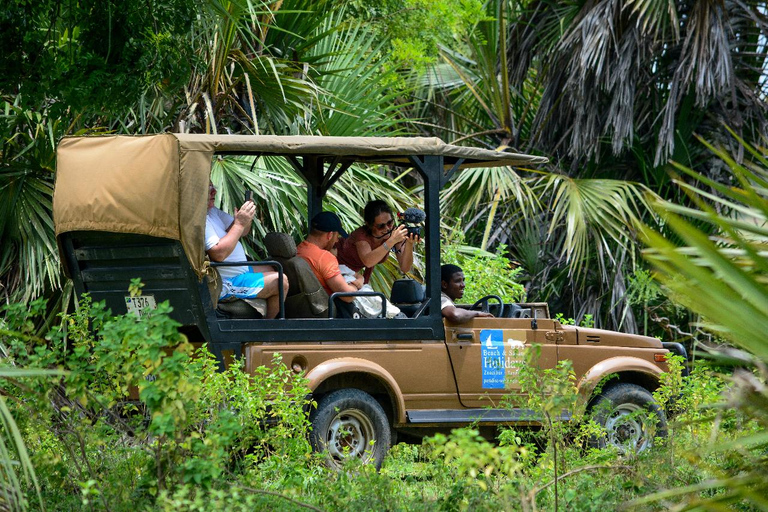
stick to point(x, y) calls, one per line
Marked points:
point(408, 295)
point(306, 297)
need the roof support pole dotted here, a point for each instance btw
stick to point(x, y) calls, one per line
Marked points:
point(431, 169)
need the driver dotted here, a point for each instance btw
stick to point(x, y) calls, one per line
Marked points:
point(452, 286)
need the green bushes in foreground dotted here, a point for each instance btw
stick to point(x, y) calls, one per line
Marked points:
point(202, 440)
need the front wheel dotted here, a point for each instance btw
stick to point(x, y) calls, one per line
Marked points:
point(630, 416)
point(350, 423)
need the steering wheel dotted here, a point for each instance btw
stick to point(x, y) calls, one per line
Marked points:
point(485, 306)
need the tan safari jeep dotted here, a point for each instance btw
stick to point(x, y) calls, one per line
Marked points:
point(128, 207)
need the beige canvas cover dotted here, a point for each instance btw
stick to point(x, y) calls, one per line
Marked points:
point(157, 185)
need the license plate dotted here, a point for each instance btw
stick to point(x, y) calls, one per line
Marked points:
point(140, 306)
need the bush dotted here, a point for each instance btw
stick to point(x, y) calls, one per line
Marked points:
point(485, 273)
point(191, 424)
point(197, 439)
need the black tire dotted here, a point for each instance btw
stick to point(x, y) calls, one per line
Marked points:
point(350, 423)
point(623, 411)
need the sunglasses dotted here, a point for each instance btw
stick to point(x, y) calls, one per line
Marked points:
point(388, 224)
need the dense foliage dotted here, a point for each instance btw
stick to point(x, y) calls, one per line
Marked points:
point(613, 91)
point(198, 439)
point(481, 73)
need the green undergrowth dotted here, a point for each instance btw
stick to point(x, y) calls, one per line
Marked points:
point(197, 439)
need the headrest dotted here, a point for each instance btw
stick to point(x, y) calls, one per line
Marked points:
point(280, 245)
point(407, 291)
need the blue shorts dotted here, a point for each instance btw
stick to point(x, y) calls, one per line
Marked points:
point(243, 286)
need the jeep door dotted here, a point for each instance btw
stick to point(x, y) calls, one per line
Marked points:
point(486, 353)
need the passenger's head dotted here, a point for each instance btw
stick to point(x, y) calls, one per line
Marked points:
point(211, 195)
point(326, 229)
point(378, 217)
point(452, 281)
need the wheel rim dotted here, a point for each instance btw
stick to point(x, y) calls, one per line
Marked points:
point(626, 429)
point(349, 435)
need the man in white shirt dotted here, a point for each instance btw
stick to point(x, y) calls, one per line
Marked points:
point(452, 288)
point(222, 243)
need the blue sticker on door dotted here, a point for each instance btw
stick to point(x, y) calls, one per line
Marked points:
point(492, 352)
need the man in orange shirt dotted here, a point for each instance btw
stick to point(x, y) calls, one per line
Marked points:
point(316, 249)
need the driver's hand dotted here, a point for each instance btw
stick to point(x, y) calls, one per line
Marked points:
point(483, 314)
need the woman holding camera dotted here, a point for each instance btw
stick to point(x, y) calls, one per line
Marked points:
point(370, 244)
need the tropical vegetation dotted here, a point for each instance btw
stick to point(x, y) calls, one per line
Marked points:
point(652, 113)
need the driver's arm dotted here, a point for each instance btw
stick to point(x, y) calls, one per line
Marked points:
point(461, 315)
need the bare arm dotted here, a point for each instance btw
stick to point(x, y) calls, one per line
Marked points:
point(461, 315)
point(405, 253)
point(339, 284)
point(239, 227)
point(371, 257)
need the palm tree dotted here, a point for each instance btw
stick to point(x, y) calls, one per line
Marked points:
point(623, 75)
point(239, 83)
point(723, 278)
point(572, 234)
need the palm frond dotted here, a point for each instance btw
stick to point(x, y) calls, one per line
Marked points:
point(593, 211)
point(723, 278)
point(13, 452)
point(358, 98)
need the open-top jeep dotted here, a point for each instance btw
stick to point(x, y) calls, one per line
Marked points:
point(135, 207)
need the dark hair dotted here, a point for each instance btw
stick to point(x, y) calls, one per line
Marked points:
point(447, 271)
point(373, 209)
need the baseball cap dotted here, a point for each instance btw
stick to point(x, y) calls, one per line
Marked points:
point(328, 222)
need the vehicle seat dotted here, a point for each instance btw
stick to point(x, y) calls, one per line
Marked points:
point(233, 307)
point(306, 297)
point(408, 295)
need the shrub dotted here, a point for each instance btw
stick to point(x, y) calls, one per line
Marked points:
point(191, 424)
point(485, 273)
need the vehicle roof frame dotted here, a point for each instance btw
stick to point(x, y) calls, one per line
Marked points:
point(156, 185)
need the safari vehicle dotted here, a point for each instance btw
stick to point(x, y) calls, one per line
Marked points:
point(128, 207)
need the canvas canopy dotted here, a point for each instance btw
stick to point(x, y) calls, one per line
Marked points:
point(157, 185)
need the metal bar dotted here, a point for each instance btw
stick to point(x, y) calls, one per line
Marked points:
point(124, 252)
point(117, 274)
point(314, 176)
point(296, 164)
point(328, 183)
point(446, 177)
point(432, 168)
point(472, 415)
point(323, 330)
point(329, 172)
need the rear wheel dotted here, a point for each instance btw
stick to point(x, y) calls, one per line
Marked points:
point(630, 416)
point(350, 423)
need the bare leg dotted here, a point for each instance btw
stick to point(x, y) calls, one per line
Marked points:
point(271, 292)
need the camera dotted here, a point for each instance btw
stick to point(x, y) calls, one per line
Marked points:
point(412, 218)
point(248, 195)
